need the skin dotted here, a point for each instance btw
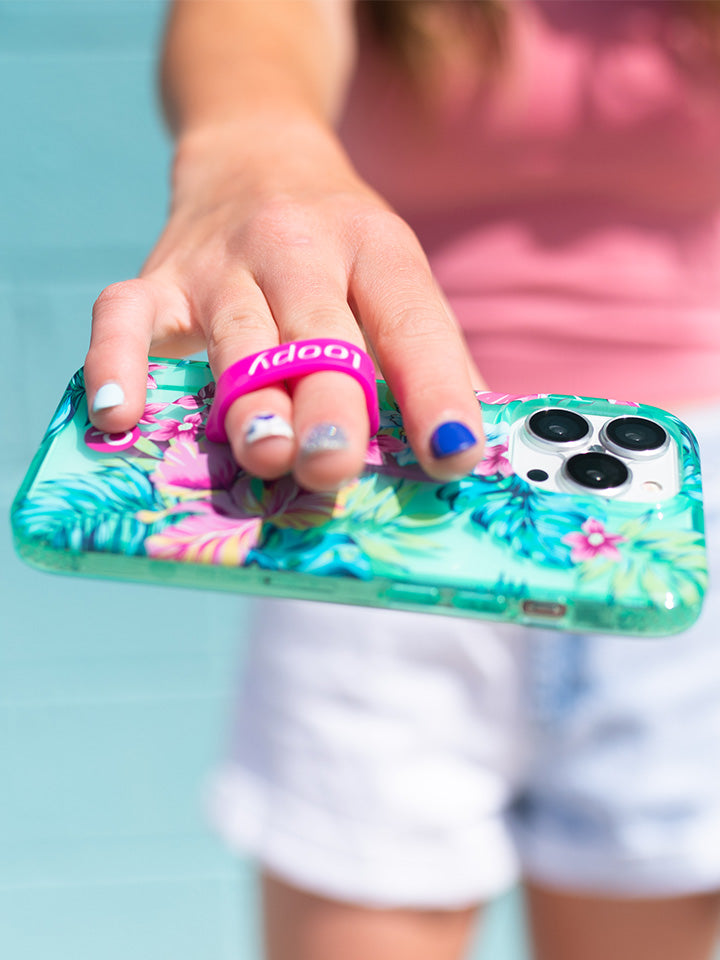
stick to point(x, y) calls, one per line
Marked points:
point(273, 238)
point(563, 925)
point(304, 926)
point(568, 926)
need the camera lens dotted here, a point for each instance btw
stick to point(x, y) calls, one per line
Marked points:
point(558, 426)
point(597, 471)
point(635, 434)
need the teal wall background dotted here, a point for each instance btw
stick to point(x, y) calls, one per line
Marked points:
point(112, 698)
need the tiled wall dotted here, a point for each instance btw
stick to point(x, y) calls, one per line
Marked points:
point(112, 698)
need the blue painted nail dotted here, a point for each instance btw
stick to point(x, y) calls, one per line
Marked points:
point(451, 438)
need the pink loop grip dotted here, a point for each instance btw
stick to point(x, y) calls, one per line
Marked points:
point(288, 362)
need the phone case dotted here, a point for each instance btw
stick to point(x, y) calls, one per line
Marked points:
point(162, 504)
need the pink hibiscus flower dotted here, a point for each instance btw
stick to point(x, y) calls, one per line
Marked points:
point(149, 412)
point(381, 444)
point(186, 466)
point(224, 528)
point(171, 429)
point(189, 401)
point(487, 396)
point(193, 401)
point(151, 382)
point(285, 504)
point(592, 540)
point(206, 537)
point(494, 461)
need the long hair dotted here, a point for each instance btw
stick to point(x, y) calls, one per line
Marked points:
point(415, 30)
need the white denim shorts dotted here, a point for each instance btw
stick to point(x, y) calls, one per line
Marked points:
point(397, 759)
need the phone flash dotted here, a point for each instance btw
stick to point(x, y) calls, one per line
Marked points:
point(651, 487)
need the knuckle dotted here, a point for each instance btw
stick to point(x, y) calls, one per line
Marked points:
point(418, 326)
point(322, 320)
point(384, 228)
point(229, 322)
point(133, 294)
point(283, 221)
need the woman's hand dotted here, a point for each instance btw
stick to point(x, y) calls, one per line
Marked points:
point(278, 241)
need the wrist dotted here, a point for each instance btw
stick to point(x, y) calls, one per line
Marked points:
point(272, 150)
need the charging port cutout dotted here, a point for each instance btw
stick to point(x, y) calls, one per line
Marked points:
point(548, 611)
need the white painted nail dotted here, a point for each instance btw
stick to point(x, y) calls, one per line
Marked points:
point(267, 425)
point(109, 395)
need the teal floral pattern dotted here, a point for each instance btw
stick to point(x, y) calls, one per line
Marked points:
point(532, 523)
point(74, 394)
point(175, 497)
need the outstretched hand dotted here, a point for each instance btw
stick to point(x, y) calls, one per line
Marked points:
point(289, 246)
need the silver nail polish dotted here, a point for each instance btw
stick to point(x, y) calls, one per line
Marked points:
point(267, 425)
point(324, 437)
point(109, 395)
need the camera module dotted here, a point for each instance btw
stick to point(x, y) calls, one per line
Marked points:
point(634, 437)
point(596, 471)
point(556, 425)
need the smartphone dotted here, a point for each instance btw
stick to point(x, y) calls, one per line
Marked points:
point(584, 514)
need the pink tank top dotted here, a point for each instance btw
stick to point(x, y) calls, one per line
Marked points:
point(571, 207)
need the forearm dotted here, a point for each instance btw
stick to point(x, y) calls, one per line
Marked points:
point(235, 61)
point(273, 238)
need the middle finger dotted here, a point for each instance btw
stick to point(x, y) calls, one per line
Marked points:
point(329, 411)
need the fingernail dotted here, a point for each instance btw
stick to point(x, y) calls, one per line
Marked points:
point(109, 395)
point(451, 438)
point(324, 437)
point(267, 425)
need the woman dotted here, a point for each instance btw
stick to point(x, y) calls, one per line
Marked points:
point(542, 175)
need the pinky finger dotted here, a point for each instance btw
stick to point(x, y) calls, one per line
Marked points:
point(116, 363)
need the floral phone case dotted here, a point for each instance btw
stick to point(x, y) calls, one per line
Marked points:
point(162, 504)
